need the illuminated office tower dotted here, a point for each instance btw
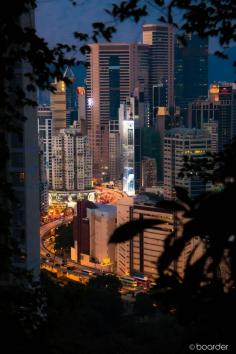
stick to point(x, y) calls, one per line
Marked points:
point(113, 73)
point(130, 138)
point(219, 109)
point(64, 103)
point(161, 88)
point(191, 72)
point(44, 115)
point(71, 160)
point(180, 142)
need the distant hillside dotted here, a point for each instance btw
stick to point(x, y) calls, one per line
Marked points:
point(222, 69)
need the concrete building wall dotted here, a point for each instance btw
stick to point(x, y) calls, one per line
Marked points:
point(102, 223)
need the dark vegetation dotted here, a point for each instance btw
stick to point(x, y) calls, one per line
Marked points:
point(64, 239)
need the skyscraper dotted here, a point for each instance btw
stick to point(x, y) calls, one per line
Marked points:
point(217, 113)
point(64, 102)
point(44, 115)
point(58, 107)
point(180, 142)
point(71, 160)
point(161, 86)
point(191, 72)
point(114, 71)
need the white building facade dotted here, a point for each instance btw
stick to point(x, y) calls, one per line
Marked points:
point(72, 161)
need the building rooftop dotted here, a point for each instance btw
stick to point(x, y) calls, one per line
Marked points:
point(187, 132)
point(106, 208)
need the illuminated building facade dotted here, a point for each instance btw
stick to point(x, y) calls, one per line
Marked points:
point(112, 76)
point(142, 252)
point(180, 142)
point(71, 161)
point(217, 113)
point(130, 138)
point(44, 115)
point(64, 103)
point(93, 225)
point(102, 223)
point(148, 172)
point(43, 182)
point(191, 72)
point(81, 95)
point(115, 165)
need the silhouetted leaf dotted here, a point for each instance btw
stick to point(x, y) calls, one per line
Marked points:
point(128, 230)
point(170, 205)
point(182, 195)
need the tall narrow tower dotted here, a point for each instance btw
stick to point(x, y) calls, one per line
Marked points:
point(161, 89)
point(191, 72)
point(64, 103)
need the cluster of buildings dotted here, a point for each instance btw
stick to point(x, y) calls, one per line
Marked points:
point(94, 224)
point(142, 109)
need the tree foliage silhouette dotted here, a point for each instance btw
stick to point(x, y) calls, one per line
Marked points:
point(21, 46)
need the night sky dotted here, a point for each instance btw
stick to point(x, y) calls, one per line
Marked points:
point(56, 20)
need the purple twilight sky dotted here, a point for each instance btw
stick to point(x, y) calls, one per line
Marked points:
point(56, 20)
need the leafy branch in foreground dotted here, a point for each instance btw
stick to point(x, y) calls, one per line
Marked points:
point(213, 18)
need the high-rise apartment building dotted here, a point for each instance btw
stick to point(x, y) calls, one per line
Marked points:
point(71, 161)
point(44, 115)
point(160, 38)
point(180, 142)
point(191, 72)
point(219, 109)
point(115, 70)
